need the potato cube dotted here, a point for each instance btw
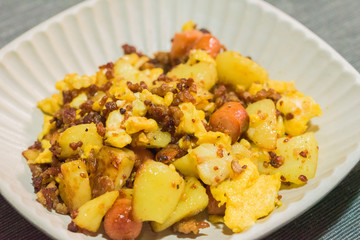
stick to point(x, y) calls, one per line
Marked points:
point(193, 200)
point(92, 212)
point(157, 191)
point(235, 69)
point(86, 133)
point(74, 185)
point(262, 125)
point(115, 163)
point(299, 155)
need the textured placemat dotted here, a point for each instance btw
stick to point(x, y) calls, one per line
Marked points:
point(337, 216)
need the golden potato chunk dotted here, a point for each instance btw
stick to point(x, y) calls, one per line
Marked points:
point(235, 69)
point(298, 156)
point(74, 185)
point(92, 212)
point(86, 134)
point(263, 125)
point(157, 191)
point(193, 200)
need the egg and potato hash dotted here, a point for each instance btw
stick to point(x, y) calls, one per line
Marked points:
point(161, 139)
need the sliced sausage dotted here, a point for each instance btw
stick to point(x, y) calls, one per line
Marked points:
point(231, 119)
point(119, 223)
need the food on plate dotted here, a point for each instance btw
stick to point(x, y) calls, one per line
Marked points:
point(159, 140)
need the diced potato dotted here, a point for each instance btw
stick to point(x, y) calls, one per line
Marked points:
point(139, 108)
point(258, 200)
point(298, 110)
point(193, 200)
point(300, 155)
point(86, 133)
point(154, 139)
point(200, 67)
point(186, 165)
point(115, 163)
point(92, 212)
point(213, 163)
point(157, 191)
point(74, 185)
point(280, 126)
point(262, 125)
point(234, 69)
point(241, 149)
point(31, 154)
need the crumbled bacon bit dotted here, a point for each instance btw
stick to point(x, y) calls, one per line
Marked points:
point(86, 107)
point(109, 67)
point(68, 115)
point(101, 185)
point(106, 86)
point(136, 87)
point(266, 164)
point(303, 178)
point(36, 145)
point(289, 116)
point(276, 161)
point(92, 89)
point(73, 227)
point(163, 90)
point(283, 178)
point(190, 226)
point(75, 145)
point(50, 196)
point(216, 168)
point(101, 130)
point(304, 153)
point(220, 153)
point(129, 49)
point(235, 166)
point(286, 140)
point(122, 110)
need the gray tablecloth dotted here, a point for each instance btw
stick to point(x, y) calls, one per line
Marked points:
point(337, 216)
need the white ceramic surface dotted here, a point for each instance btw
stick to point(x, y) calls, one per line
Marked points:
point(90, 34)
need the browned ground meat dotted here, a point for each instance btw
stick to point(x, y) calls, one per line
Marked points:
point(162, 60)
point(170, 153)
point(129, 49)
point(190, 226)
point(100, 185)
point(109, 68)
point(136, 87)
point(167, 117)
point(222, 94)
point(247, 98)
point(163, 90)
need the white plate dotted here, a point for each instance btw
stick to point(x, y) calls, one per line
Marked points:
point(91, 33)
